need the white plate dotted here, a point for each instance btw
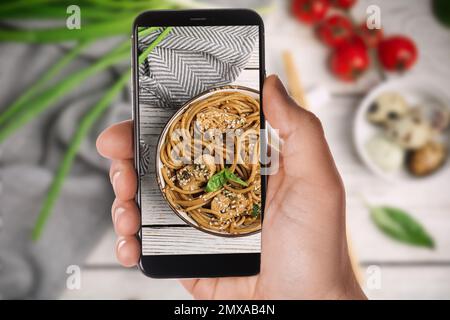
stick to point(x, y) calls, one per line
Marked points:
point(416, 92)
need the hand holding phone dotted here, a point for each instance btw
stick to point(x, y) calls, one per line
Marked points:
point(304, 250)
point(197, 127)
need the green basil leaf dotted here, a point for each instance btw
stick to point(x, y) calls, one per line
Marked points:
point(401, 226)
point(216, 181)
point(232, 177)
point(256, 210)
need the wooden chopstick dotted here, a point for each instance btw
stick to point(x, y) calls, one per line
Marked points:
point(294, 84)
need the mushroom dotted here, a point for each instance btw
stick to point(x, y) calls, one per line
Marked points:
point(220, 203)
point(427, 159)
point(219, 119)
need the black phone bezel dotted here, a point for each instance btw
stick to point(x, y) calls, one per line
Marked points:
point(199, 265)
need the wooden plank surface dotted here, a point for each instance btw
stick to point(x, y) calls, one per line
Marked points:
point(188, 240)
point(158, 211)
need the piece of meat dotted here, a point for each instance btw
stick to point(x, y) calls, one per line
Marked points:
point(230, 203)
point(194, 176)
point(213, 118)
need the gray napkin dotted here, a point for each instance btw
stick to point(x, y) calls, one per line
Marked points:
point(190, 60)
point(28, 160)
point(38, 270)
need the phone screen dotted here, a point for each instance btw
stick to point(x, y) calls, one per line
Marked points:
point(199, 126)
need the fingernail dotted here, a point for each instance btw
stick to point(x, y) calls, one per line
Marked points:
point(120, 244)
point(114, 178)
point(281, 86)
point(277, 78)
point(117, 212)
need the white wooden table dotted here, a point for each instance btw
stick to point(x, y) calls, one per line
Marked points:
point(406, 272)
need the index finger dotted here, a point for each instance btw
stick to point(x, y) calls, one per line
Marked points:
point(116, 142)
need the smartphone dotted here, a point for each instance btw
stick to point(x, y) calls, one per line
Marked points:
point(197, 85)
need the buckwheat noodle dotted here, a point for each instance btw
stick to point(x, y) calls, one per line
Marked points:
point(234, 208)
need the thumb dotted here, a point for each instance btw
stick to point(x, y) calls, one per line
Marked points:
point(305, 152)
point(279, 108)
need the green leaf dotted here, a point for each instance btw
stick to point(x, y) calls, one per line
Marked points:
point(441, 9)
point(256, 210)
point(143, 56)
point(401, 226)
point(54, 93)
point(95, 30)
point(216, 181)
point(232, 177)
point(32, 104)
point(63, 170)
point(27, 96)
point(89, 14)
point(91, 10)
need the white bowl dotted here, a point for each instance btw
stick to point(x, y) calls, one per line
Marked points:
point(180, 213)
point(416, 92)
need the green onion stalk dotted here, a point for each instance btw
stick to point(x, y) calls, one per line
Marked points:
point(38, 86)
point(86, 124)
point(62, 34)
point(30, 104)
point(92, 10)
point(50, 96)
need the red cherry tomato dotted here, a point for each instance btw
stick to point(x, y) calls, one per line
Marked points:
point(344, 4)
point(397, 53)
point(334, 30)
point(350, 59)
point(371, 37)
point(310, 11)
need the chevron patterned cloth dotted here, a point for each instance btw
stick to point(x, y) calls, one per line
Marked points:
point(190, 60)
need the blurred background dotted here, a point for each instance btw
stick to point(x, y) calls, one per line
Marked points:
point(375, 72)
